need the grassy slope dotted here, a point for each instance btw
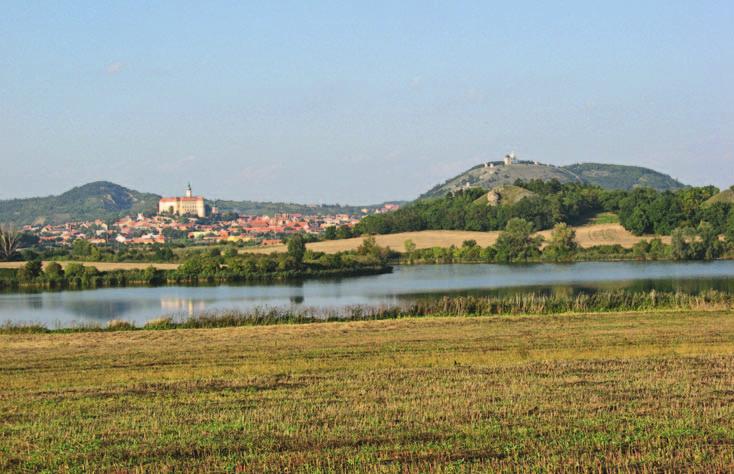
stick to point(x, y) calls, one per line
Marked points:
point(725, 196)
point(488, 178)
point(558, 393)
point(508, 194)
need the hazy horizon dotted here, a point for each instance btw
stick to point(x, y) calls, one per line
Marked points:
point(328, 102)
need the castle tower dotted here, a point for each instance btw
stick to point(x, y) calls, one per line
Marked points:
point(188, 205)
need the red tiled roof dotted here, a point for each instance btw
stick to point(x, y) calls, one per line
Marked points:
point(184, 199)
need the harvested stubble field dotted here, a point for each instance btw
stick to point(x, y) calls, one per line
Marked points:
point(586, 235)
point(611, 392)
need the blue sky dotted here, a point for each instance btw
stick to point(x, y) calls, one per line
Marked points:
point(356, 102)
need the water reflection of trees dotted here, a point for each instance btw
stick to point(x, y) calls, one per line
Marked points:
point(103, 310)
point(692, 286)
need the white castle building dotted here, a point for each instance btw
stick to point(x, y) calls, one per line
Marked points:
point(186, 205)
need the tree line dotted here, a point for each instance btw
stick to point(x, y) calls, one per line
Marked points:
point(207, 267)
point(518, 244)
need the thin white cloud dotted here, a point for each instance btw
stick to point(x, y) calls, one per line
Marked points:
point(114, 68)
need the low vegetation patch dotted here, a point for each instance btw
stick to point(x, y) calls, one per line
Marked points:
point(119, 325)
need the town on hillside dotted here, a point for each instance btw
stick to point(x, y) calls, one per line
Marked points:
point(188, 218)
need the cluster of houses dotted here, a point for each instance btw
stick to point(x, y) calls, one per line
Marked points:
point(181, 218)
point(159, 229)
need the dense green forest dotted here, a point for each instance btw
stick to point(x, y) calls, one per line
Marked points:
point(640, 210)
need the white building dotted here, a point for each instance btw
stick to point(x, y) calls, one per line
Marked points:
point(187, 205)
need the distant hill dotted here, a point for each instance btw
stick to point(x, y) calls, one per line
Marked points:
point(270, 208)
point(726, 197)
point(98, 200)
point(105, 200)
point(623, 177)
point(493, 174)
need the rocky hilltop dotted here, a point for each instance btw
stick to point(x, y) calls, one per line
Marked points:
point(490, 175)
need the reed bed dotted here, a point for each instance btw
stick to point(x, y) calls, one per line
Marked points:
point(457, 306)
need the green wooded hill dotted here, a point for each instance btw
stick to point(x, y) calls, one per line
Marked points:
point(491, 175)
point(98, 200)
point(624, 177)
point(270, 208)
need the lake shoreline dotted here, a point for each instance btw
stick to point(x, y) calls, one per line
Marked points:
point(121, 280)
point(529, 304)
point(402, 286)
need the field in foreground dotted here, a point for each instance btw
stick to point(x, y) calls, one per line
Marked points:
point(586, 235)
point(550, 393)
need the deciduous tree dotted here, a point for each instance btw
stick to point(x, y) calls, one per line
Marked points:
point(562, 245)
point(297, 248)
point(9, 240)
point(516, 243)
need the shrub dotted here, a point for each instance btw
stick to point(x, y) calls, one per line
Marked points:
point(74, 270)
point(54, 271)
point(159, 323)
point(119, 325)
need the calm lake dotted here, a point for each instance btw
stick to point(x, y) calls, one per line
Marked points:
point(58, 309)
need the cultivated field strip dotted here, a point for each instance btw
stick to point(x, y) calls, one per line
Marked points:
point(586, 235)
point(611, 392)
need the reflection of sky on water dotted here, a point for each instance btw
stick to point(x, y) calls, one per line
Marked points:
point(142, 304)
